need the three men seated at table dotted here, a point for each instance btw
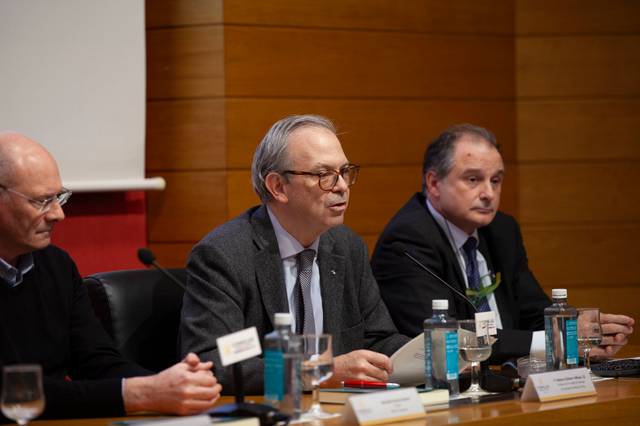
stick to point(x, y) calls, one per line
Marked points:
point(290, 254)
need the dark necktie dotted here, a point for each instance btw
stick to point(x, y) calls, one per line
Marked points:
point(305, 323)
point(473, 275)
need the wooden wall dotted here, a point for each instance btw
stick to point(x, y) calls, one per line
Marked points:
point(557, 81)
point(578, 107)
point(390, 74)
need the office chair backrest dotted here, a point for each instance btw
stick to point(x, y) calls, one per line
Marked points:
point(140, 309)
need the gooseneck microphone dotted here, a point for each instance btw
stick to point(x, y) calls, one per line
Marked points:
point(400, 249)
point(147, 257)
point(268, 416)
point(489, 380)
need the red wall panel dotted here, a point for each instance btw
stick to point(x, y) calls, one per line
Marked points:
point(102, 231)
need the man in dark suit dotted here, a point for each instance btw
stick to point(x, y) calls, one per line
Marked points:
point(454, 227)
point(254, 266)
point(46, 317)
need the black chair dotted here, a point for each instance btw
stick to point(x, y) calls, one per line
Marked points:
point(140, 309)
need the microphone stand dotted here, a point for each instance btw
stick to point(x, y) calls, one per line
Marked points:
point(267, 415)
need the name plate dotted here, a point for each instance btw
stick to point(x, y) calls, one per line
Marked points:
point(486, 320)
point(238, 346)
point(561, 384)
point(385, 406)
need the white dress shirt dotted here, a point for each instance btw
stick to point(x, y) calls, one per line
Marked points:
point(289, 248)
point(457, 237)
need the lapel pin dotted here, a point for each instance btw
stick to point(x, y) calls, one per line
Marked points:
point(333, 272)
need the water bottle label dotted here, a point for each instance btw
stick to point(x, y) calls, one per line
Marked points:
point(427, 357)
point(273, 375)
point(572, 342)
point(548, 342)
point(451, 345)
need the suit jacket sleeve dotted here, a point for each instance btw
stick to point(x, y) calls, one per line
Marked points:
point(380, 334)
point(214, 307)
point(406, 289)
point(528, 300)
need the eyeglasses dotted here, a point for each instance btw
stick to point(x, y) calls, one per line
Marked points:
point(328, 179)
point(43, 204)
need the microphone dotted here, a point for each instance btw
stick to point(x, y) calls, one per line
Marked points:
point(489, 380)
point(268, 415)
point(147, 257)
point(400, 249)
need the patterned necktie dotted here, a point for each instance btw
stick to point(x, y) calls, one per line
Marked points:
point(305, 323)
point(473, 275)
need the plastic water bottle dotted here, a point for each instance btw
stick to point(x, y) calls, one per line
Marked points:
point(282, 359)
point(441, 349)
point(561, 332)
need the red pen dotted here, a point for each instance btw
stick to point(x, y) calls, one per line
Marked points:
point(364, 384)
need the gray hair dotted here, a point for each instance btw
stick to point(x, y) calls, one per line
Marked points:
point(271, 153)
point(439, 154)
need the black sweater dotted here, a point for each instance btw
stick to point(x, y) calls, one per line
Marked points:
point(48, 320)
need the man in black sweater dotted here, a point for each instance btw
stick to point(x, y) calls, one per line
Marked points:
point(45, 313)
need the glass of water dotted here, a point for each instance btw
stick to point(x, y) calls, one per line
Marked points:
point(22, 395)
point(317, 366)
point(474, 344)
point(589, 332)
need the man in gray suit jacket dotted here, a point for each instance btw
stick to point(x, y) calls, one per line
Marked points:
point(254, 266)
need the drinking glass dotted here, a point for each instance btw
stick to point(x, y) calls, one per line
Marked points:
point(22, 395)
point(589, 332)
point(474, 345)
point(317, 366)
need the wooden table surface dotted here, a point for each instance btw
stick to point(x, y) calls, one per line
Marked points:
point(617, 403)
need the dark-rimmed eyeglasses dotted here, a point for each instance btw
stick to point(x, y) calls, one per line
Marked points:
point(43, 204)
point(328, 179)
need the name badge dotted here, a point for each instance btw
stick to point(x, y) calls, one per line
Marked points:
point(238, 346)
point(385, 406)
point(555, 385)
point(486, 320)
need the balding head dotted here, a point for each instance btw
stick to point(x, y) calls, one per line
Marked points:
point(28, 174)
point(18, 153)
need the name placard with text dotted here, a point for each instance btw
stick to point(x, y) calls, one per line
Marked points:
point(385, 406)
point(561, 384)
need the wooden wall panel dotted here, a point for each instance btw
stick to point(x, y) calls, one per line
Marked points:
point(578, 66)
point(185, 63)
point(578, 82)
point(373, 132)
point(432, 16)
point(240, 192)
point(285, 62)
point(168, 13)
point(574, 193)
point(185, 135)
point(577, 16)
point(583, 255)
point(172, 255)
point(191, 205)
point(573, 130)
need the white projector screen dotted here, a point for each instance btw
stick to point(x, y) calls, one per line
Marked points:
point(72, 77)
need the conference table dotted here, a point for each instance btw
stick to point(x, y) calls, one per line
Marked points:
point(617, 403)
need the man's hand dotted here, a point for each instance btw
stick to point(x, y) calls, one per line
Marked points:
point(188, 387)
point(615, 332)
point(360, 365)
